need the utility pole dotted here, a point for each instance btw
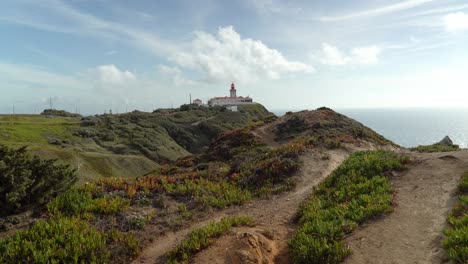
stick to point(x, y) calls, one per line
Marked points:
point(190, 96)
point(13, 109)
point(50, 103)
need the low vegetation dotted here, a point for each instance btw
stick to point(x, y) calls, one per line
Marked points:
point(166, 134)
point(435, 148)
point(28, 181)
point(65, 240)
point(235, 167)
point(201, 238)
point(456, 240)
point(55, 112)
point(356, 191)
point(58, 240)
point(199, 182)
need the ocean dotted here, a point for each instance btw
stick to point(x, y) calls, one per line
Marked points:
point(411, 127)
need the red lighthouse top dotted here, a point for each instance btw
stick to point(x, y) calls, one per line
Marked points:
point(233, 87)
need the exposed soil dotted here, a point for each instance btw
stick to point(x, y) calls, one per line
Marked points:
point(273, 216)
point(413, 232)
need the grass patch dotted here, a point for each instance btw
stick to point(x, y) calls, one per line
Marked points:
point(456, 240)
point(58, 240)
point(78, 201)
point(435, 148)
point(356, 191)
point(201, 238)
point(35, 128)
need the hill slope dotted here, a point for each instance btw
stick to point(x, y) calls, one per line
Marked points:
point(123, 145)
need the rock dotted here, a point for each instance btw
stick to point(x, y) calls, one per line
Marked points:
point(446, 141)
point(54, 141)
point(85, 133)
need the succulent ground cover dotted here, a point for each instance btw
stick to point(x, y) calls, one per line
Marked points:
point(456, 240)
point(358, 190)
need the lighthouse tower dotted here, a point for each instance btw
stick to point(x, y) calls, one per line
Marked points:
point(233, 91)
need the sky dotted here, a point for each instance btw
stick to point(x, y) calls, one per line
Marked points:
point(94, 56)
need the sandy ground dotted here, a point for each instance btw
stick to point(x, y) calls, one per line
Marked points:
point(413, 232)
point(274, 215)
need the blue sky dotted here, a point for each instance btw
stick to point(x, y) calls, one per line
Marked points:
point(96, 55)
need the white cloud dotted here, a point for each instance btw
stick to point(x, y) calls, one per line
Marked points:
point(164, 69)
point(456, 21)
point(331, 55)
point(39, 77)
point(272, 6)
point(74, 21)
point(365, 55)
point(228, 57)
point(378, 11)
point(176, 75)
point(440, 10)
point(112, 74)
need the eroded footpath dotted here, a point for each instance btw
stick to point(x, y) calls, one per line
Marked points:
point(425, 194)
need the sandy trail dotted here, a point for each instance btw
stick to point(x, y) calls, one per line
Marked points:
point(413, 232)
point(275, 214)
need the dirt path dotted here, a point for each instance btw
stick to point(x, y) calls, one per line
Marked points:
point(264, 136)
point(275, 214)
point(413, 232)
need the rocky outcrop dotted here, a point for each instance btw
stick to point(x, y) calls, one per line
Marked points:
point(446, 141)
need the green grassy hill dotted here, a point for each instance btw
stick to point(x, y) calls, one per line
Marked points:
point(123, 145)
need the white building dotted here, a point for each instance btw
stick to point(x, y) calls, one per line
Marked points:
point(232, 101)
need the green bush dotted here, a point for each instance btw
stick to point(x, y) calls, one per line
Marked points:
point(72, 203)
point(78, 201)
point(106, 205)
point(356, 191)
point(57, 240)
point(209, 193)
point(201, 238)
point(27, 181)
point(456, 240)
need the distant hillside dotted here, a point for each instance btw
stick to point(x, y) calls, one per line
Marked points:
point(166, 135)
point(55, 112)
point(124, 145)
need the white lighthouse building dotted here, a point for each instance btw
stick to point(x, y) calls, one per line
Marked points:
point(232, 101)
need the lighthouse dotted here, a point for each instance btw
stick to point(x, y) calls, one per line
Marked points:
point(233, 91)
point(232, 101)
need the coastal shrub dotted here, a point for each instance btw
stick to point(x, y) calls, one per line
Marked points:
point(57, 240)
point(78, 201)
point(107, 205)
point(27, 181)
point(293, 125)
point(201, 238)
point(209, 193)
point(356, 191)
point(456, 236)
point(271, 168)
point(72, 203)
point(435, 148)
point(123, 246)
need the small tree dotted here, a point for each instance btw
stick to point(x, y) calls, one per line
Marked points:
point(27, 181)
